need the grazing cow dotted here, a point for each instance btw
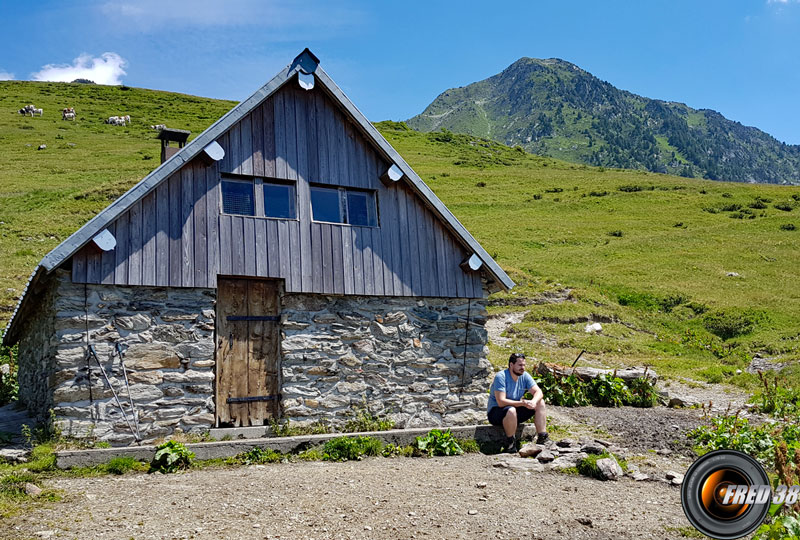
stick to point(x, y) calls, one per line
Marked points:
point(27, 109)
point(158, 127)
point(40, 112)
point(68, 113)
point(119, 120)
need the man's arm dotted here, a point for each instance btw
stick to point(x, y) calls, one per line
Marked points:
point(502, 401)
point(538, 396)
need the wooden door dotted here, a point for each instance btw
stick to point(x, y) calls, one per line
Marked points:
point(247, 351)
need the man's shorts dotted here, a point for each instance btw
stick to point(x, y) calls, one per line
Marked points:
point(496, 415)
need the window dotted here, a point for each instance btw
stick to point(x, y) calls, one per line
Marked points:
point(344, 205)
point(279, 201)
point(325, 205)
point(237, 198)
point(248, 196)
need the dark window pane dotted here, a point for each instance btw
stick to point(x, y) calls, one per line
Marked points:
point(279, 201)
point(325, 205)
point(237, 198)
point(361, 208)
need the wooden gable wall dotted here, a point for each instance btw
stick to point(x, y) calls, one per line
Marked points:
point(177, 236)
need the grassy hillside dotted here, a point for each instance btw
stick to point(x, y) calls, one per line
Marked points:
point(651, 254)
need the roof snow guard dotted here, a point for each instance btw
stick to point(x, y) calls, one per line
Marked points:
point(306, 63)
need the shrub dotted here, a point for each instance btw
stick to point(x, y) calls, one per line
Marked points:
point(537, 196)
point(788, 227)
point(480, 184)
point(553, 190)
point(786, 526)
point(438, 443)
point(733, 207)
point(598, 193)
point(170, 457)
point(630, 188)
point(758, 204)
point(351, 448)
point(732, 322)
point(786, 207)
point(618, 234)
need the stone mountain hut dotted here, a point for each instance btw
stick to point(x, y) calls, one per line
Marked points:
point(287, 263)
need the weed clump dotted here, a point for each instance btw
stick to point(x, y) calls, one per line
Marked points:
point(438, 443)
point(351, 448)
point(171, 457)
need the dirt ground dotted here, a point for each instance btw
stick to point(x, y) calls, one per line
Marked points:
point(393, 498)
point(374, 498)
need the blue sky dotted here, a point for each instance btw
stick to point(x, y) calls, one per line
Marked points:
point(741, 58)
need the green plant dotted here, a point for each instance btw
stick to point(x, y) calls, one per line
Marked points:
point(121, 465)
point(438, 443)
point(788, 227)
point(9, 385)
point(734, 433)
point(617, 233)
point(776, 397)
point(608, 391)
point(259, 455)
point(288, 430)
point(588, 465)
point(44, 432)
point(351, 448)
point(170, 457)
point(364, 420)
point(567, 391)
point(643, 393)
point(392, 450)
point(469, 446)
point(783, 527)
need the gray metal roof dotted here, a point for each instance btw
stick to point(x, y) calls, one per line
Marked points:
point(305, 62)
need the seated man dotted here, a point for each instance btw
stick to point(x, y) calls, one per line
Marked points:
point(507, 407)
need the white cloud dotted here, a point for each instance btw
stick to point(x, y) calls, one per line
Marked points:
point(6, 76)
point(107, 69)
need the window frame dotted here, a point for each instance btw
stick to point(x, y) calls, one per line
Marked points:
point(258, 183)
point(343, 207)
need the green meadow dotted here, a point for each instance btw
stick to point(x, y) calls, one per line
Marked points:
point(690, 276)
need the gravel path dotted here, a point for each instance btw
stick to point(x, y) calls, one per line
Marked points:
point(374, 498)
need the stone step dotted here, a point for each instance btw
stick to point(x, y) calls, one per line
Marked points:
point(222, 449)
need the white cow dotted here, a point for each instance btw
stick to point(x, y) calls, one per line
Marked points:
point(68, 113)
point(158, 127)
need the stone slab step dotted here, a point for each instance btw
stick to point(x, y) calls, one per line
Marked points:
point(222, 449)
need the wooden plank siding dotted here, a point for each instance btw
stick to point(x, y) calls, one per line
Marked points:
point(177, 235)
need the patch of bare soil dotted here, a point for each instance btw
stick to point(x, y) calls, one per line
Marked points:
point(457, 497)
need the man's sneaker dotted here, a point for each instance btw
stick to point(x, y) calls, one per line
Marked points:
point(511, 445)
point(542, 438)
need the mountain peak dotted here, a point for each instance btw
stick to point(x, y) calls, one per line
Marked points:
point(553, 107)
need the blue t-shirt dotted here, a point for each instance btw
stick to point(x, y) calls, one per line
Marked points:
point(514, 389)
